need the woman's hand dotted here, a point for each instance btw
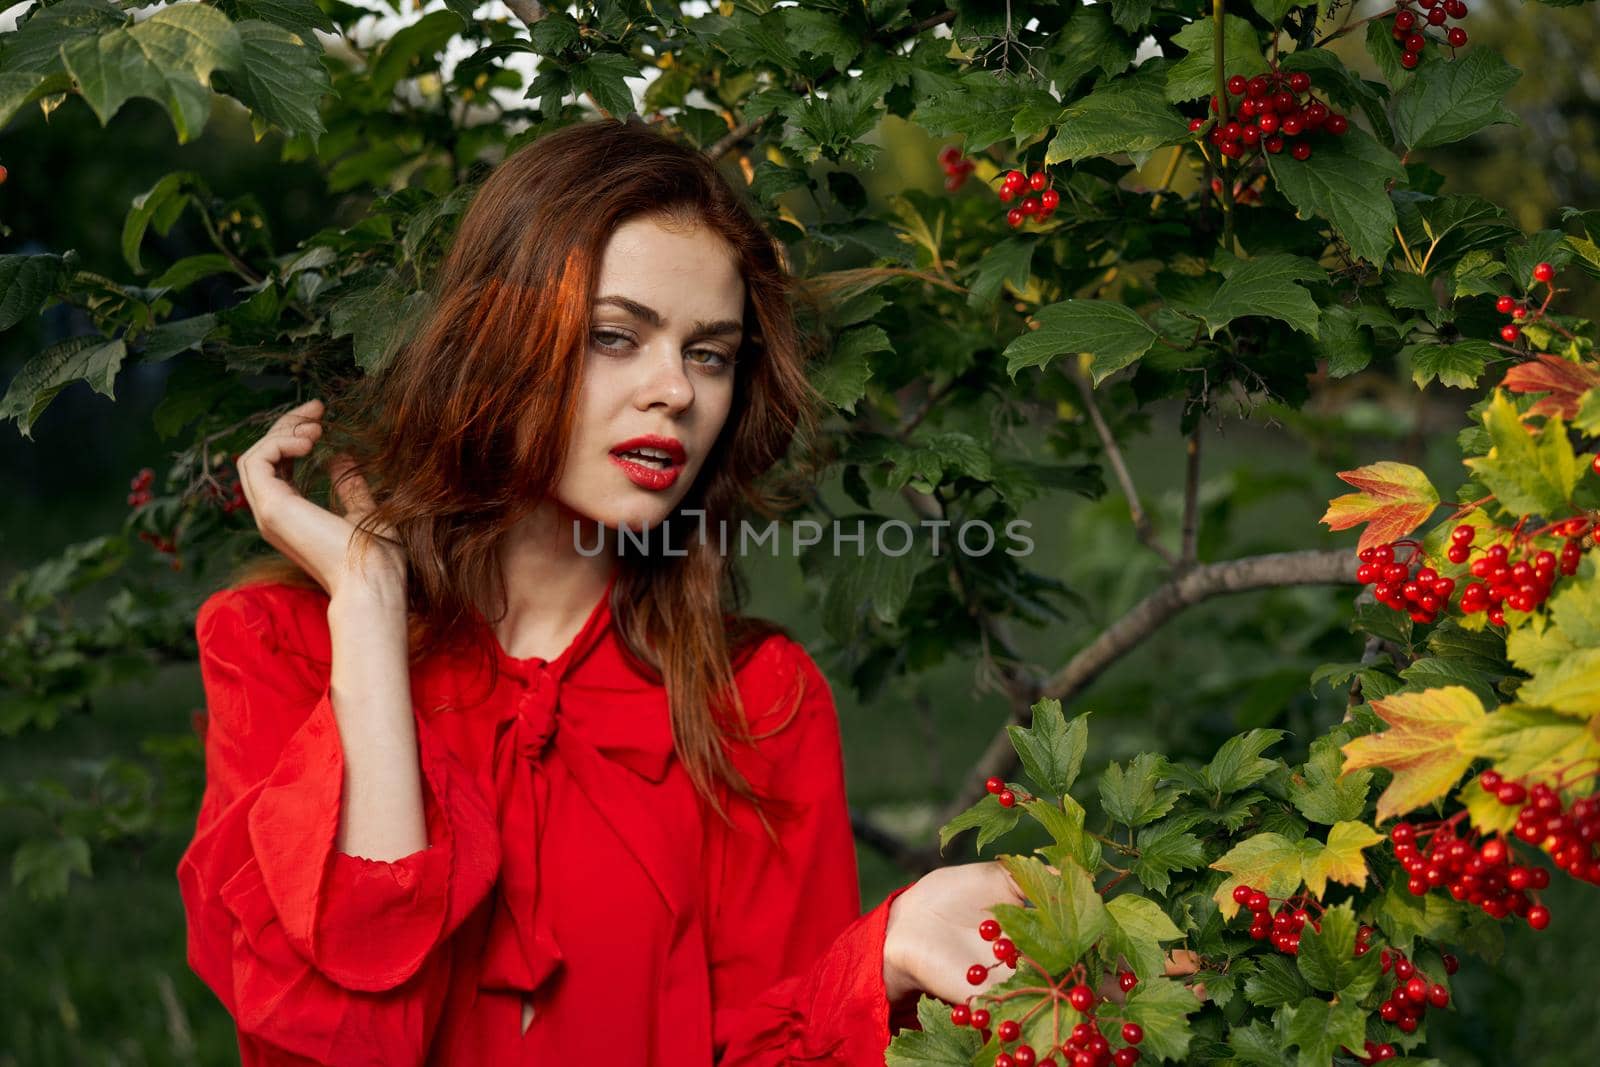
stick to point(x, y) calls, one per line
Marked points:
point(932, 935)
point(315, 539)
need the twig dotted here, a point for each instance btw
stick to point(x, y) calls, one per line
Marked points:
point(1141, 521)
point(1191, 499)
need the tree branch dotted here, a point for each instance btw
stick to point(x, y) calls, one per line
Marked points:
point(1143, 619)
point(1191, 500)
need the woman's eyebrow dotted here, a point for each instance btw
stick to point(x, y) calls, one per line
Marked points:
point(653, 317)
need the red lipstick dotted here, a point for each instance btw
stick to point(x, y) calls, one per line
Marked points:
point(650, 462)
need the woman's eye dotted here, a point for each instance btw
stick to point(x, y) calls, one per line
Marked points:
point(710, 357)
point(603, 338)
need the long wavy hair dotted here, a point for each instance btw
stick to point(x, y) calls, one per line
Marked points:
point(464, 431)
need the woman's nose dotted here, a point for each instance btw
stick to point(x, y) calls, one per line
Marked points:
point(666, 383)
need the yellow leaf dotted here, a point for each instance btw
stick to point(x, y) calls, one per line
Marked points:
point(1268, 862)
point(1340, 860)
point(1422, 747)
point(1570, 685)
point(1528, 742)
point(1395, 499)
point(1486, 812)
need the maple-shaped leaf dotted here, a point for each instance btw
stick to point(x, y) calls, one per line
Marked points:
point(1488, 815)
point(1395, 498)
point(1423, 746)
point(1051, 749)
point(1563, 381)
point(1340, 859)
point(1269, 862)
point(1529, 470)
point(936, 1041)
point(1065, 917)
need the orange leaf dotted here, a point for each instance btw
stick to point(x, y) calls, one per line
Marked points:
point(1564, 381)
point(1422, 746)
point(1395, 499)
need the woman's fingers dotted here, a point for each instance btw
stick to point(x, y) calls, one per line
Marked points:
point(1181, 963)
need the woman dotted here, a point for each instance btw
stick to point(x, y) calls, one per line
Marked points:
point(477, 793)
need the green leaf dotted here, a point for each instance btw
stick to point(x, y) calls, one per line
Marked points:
point(937, 1042)
point(1343, 341)
point(18, 90)
point(168, 58)
point(1135, 797)
point(1319, 1028)
point(1087, 43)
point(1162, 1007)
point(1196, 73)
point(1267, 286)
point(821, 33)
point(1007, 261)
point(281, 79)
point(1064, 823)
point(1274, 10)
point(402, 54)
point(987, 817)
point(603, 76)
point(1327, 958)
point(1478, 274)
point(842, 381)
point(26, 282)
point(1127, 114)
point(1447, 102)
point(171, 338)
point(1256, 1046)
point(981, 112)
point(1529, 473)
point(44, 866)
point(1345, 182)
point(92, 359)
point(378, 320)
point(1051, 749)
point(1166, 847)
point(1321, 793)
point(1239, 764)
point(1066, 918)
point(1276, 982)
point(299, 16)
point(1110, 332)
point(160, 207)
point(1137, 929)
point(1459, 365)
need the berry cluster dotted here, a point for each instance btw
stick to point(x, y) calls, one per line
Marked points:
point(1413, 993)
point(1276, 112)
point(1036, 207)
point(1422, 595)
point(1375, 1052)
point(955, 167)
point(1481, 872)
point(1521, 313)
point(139, 488)
point(1410, 28)
point(1521, 584)
point(1568, 834)
point(1282, 927)
point(230, 496)
point(1085, 1046)
point(997, 788)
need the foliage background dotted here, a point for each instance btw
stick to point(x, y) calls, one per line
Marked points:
point(98, 976)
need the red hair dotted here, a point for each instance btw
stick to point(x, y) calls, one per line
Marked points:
point(465, 429)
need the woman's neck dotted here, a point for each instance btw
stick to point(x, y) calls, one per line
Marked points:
point(551, 587)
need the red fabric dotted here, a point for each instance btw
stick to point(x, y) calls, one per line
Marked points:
point(569, 861)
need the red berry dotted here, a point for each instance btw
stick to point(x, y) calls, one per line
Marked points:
point(1337, 125)
point(1416, 43)
point(1451, 964)
point(1438, 995)
point(1505, 304)
point(1125, 1057)
point(1242, 894)
point(1594, 464)
point(1544, 272)
point(1456, 9)
point(1456, 36)
point(1015, 179)
point(1132, 1033)
point(1081, 997)
point(1273, 144)
point(1049, 199)
point(976, 974)
point(1004, 948)
point(1258, 901)
point(948, 155)
point(1023, 1056)
point(960, 1015)
point(1259, 86)
point(994, 785)
point(1538, 916)
point(1014, 217)
point(1009, 1030)
point(1301, 151)
point(1007, 798)
point(1299, 81)
point(980, 1018)
point(989, 929)
point(1127, 980)
point(1195, 124)
point(1030, 205)
point(1038, 180)
point(1405, 20)
point(1510, 332)
point(1292, 125)
point(954, 182)
point(1238, 84)
point(1409, 60)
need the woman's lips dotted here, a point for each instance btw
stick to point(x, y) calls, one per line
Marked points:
point(645, 476)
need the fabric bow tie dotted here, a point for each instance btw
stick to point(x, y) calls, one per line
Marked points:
point(613, 757)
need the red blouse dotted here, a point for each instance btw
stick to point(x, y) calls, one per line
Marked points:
point(570, 862)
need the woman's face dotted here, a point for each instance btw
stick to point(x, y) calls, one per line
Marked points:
point(666, 325)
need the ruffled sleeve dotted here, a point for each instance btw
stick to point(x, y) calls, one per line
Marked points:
point(796, 969)
point(315, 952)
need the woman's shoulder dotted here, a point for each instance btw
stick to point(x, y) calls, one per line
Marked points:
point(269, 616)
point(779, 681)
